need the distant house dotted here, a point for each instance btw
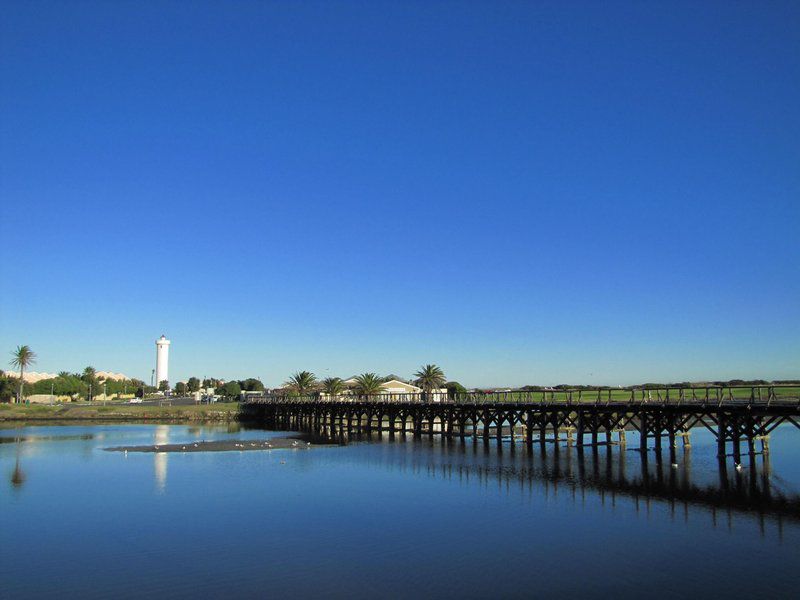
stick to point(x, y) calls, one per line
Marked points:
point(395, 385)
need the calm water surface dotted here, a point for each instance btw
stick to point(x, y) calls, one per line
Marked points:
point(399, 519)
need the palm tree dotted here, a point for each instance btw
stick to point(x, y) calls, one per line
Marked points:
point(429, 378)
point(369, 384)
point(302, 382)
point(22, 358)
point(333, 386)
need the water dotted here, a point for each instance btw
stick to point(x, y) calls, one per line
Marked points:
point(400, 519)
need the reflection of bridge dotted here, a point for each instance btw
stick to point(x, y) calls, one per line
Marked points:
point(582, 415)
point(610, 474)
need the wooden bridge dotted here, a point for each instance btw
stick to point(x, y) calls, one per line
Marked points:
point(659, 415)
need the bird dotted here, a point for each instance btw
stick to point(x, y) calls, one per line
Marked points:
point(674, 465)
point(738, 466)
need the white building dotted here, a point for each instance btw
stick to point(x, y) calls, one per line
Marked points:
point(162, 360)
point(397, 386)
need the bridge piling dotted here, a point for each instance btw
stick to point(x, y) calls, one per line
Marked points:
point(658, 431)
point(721, 435)
point(643, 434)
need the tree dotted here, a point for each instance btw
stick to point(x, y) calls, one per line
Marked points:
point(369, 384)
point(333, 386)
point(430, 378)
point(230, 389)
point(302, 382)
point(180, 388)
point(454, 388)
point(252, 385)
point(22, 358)
point(89, 377)
point(163, 385)
point(7, 385)
point(193, 385)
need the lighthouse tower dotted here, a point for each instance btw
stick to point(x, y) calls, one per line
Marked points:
point(162, 360)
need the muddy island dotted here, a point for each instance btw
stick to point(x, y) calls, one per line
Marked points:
point(220, 446)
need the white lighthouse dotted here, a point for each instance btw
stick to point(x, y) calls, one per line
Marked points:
point(162, 360)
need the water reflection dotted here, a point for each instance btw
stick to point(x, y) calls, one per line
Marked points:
point(685, 482)
point(17, 475)
point(161, 437)
point(44, 438)
point(421, 514)
point(607, 473)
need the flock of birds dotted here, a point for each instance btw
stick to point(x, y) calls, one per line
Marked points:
point(738, 466)
point(295, 444)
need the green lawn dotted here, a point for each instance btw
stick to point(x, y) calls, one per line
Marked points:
point(617, 395)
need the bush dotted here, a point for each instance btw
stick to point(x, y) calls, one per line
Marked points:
point(453, 388)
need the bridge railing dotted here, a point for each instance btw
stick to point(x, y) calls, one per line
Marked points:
point(763, 395)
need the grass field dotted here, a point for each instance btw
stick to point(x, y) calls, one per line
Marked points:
point(621, 395)
point(124, 412)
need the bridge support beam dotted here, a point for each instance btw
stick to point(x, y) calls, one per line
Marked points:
point(736, 440)
point(643, 433)
point(529, 430)
point(721, 435)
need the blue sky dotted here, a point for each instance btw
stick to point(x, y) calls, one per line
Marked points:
point(536, 192)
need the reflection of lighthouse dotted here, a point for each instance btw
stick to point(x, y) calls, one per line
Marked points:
point(162, 360)
point(160, 463)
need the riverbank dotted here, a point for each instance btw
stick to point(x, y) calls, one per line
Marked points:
point(217, 412)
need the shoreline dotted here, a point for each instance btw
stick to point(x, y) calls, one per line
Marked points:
point(220, 413)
